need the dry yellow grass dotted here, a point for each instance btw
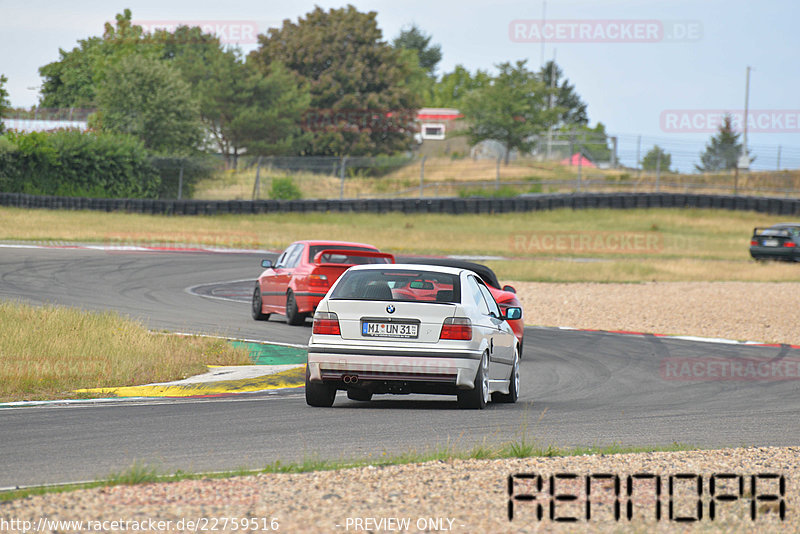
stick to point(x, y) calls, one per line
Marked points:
point(449, 177)
point(48, 352)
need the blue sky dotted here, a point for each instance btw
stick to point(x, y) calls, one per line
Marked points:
point(627, 85)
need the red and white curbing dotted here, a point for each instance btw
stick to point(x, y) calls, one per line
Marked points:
point(176, 247)
point(189, 247)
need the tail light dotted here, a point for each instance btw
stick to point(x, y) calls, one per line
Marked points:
point(326, 323)
point(753, 243)
point(459, 328)
point(318, 280)
point(790, 244)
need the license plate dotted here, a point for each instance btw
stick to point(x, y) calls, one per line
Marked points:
point(389, 330)
point(770, 242)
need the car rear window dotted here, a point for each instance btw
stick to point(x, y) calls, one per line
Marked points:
point(398, 285)
point(343, 257)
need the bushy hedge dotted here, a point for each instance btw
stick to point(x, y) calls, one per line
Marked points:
point(284, 189)
point(75, 163)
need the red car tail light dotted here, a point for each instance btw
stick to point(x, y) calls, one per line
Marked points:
point(326, 323)
point(753, 243)
point(790, 244)
point(459, 328)
point(318, 280)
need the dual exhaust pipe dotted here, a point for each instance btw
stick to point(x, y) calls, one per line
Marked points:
point(349, 379)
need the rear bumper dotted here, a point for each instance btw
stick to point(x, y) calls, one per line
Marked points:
point(380, 369)
point(307, 301)
point(775, 253)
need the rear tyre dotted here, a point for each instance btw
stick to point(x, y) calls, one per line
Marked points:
point(477, 397)
point(257, 306)
point(293, 316)
point(513, 385)
point(358, 394)
point(319, 394)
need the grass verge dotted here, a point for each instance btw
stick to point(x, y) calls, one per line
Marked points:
point(47, 352)
point(673, 244)
point(524, 448)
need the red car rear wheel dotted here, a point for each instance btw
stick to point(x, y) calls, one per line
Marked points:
point(293, 316)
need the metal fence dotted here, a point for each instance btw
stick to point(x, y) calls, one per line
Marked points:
point(428, 177)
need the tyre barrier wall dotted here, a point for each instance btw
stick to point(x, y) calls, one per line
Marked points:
point(777, 206)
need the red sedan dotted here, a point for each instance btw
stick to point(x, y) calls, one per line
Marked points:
point(302, 275)
point(505, 296)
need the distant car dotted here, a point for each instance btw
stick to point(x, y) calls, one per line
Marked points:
point(778, 242)
point(409, 328)
point(506, 296)
point(303, 273)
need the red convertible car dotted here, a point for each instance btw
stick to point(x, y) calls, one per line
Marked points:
point(302, 275)
point(504, 295)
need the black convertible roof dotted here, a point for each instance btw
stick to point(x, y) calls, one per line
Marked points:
point(483, 271)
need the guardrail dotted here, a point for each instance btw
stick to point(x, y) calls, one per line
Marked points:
point(523, 203)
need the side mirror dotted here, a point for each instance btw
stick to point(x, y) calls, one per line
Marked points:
point(266, 264)
point(513, 313)
point(510, 289)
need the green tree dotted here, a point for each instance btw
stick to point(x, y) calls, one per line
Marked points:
point(415, 39)
point(69, 82)
point(657, 158)
point(5, 105)
point(358, 82)
point(72, 81)
point(191, 51)
point(244, 109)
point(450, 91)
point(512, 110)
point(148, 98)
point(592, 142)
point(573, 109)
point(723, 150)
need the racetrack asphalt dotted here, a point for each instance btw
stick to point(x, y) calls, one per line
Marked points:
point(578, 388)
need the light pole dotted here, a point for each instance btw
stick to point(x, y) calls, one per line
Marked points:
point(744, 157)
point(744, 160)
point(544, 19)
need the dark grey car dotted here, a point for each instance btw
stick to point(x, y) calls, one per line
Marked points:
point(778, 242)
